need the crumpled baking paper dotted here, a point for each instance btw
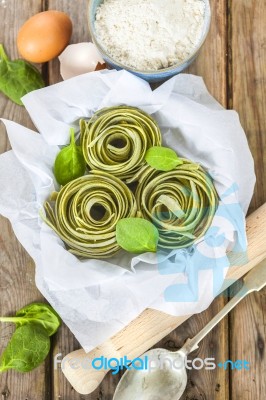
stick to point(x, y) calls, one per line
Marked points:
point(98, 298)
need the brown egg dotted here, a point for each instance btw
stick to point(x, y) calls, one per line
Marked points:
point(44, 36)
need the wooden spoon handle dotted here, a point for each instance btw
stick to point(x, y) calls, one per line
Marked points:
point(151, 326)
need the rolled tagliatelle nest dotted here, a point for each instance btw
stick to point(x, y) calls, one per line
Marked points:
point(116, 139)
point(181, 203)
point(86, 212)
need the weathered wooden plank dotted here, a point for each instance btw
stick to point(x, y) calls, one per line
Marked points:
point(17, 284)
point(248, 97)
point(65, 341)
point(247, 333)
point(212, 61)
point(77, 11)
point(210, 384)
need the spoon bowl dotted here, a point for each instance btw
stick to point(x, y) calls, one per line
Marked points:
point(162, 376)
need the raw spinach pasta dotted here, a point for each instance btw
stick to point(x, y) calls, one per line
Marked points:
point(131, 178)
point(86, 212)
point(181, 203)
point(116, 139)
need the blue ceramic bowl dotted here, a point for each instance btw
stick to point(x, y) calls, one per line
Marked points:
point(150, 76)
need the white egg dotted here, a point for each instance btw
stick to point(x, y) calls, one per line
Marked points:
point(79, 59)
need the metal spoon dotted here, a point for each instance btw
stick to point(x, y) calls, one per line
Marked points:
point(168, 379)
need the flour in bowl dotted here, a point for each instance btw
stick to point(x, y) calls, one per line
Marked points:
point(150, 34)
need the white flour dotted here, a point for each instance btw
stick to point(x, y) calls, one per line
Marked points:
point(150, 34)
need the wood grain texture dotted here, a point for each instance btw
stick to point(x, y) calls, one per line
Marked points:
point(77, 11)
point(248, 332)
point(212, 61)
point(17, 283)
point(64, 341)
point(248, 81)
point(248, 96)
point(212, 66)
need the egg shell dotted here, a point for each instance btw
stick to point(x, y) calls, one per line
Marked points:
point(44, 36)
point(80, 58)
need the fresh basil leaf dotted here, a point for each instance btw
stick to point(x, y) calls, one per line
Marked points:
point(162, 158)
point(18, 77)
point(137, 235)
point(26, 350)
point(69, 163)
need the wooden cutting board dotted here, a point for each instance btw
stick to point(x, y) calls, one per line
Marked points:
point(151, 326)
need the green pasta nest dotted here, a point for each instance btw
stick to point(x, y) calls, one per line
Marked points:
point(181, 203)
point(116, 139)
point(85, 213)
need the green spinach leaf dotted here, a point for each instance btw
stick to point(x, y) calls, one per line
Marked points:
point(69, 163)
point(39, 314)
point(162, 158)
point(137, 235)
point(26, 350)
point(18, 77)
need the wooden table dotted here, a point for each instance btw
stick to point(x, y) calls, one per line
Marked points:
point(233, 65)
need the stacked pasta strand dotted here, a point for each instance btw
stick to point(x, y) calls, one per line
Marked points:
point(116, 140)
point(180, 203)
point(86, 212)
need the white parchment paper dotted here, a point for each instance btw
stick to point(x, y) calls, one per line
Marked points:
point(97, 298)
